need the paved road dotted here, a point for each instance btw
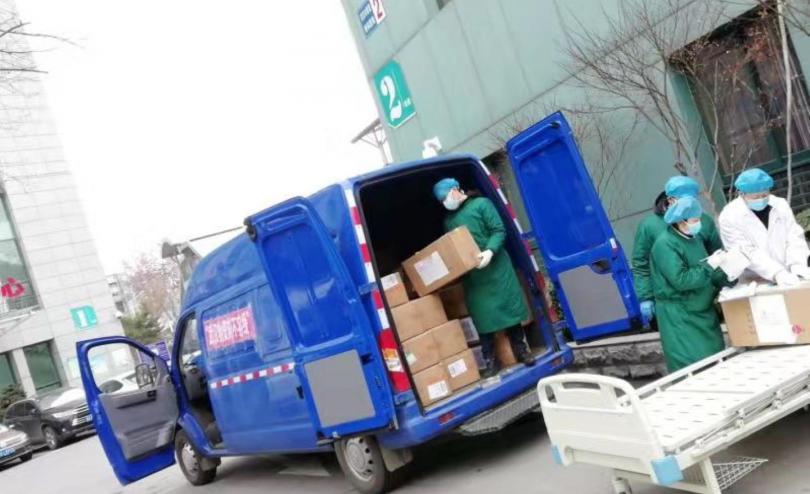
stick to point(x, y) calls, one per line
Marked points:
point(516, 460)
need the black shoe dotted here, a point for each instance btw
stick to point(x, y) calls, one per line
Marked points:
point(491, 370)
point(526, 358)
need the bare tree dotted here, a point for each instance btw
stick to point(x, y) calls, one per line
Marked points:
point(156, 284)
point(645, 46)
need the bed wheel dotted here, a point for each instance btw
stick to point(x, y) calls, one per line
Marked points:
point(621, 486)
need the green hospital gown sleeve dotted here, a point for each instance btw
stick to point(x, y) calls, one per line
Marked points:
point(711, 236)
point(493, 225)
point(641, 262)
point(677, 272)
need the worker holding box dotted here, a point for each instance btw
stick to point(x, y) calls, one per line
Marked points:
point(651, 227)
point(686, 281)
point(493, 293)
point(763, 228)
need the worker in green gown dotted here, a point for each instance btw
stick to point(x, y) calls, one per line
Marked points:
point(492, 292)
point(652, 226)
point(686, 281)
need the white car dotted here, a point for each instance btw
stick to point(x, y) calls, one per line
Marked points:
point(120, 383)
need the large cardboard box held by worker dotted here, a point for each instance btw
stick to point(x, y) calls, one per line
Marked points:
point(417, 316)
point(772, 316)
point(432, 384)
point(442, 262)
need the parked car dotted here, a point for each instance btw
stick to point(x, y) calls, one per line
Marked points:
point(52, 418)
point(120, 383)
point(14, 445)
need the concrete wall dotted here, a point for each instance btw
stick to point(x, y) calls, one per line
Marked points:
point(475, 69)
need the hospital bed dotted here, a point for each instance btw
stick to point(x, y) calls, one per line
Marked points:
point(670, 431)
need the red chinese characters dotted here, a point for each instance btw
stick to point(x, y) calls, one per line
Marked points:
point(12, 288)
point(229, 329)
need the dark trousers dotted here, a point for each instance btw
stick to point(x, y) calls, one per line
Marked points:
point(515, 334)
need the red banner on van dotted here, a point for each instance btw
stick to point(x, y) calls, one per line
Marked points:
point(229, 329)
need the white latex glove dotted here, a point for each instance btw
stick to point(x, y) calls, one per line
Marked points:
point(786, 278)
point(802, 272)
point(716, 259)
point(485, 258)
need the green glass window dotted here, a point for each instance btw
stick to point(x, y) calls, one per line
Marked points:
point(42, 367)
point(7, 377)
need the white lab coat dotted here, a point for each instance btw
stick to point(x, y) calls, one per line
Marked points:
point(770, 250)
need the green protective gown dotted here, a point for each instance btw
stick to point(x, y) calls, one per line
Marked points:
point(684, 289)
point(647, 232)
point(493, 294)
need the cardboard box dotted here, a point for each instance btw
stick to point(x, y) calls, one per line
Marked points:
point(462, 369)
point(417, 316)
point(432, 384)
point(447, 259)
point(453, 299)
point(449, 338)
point(394, 288)
point(774, 316)
point(470, 331)
point(421, 352)
point(503, 350)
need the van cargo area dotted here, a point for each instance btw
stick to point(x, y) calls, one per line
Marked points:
point(402, 216)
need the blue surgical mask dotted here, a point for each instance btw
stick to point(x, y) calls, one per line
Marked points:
point(694, 228)
point(757, 204)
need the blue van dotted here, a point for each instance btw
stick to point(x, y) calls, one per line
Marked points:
point(285, 342)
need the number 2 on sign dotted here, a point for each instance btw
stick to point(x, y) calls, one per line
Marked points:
point(387, 88)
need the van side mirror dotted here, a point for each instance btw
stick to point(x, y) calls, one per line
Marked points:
point(144, 376)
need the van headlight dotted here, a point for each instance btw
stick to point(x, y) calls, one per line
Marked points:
point(64, 415)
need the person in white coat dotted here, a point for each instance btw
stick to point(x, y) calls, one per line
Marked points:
point(763, 227)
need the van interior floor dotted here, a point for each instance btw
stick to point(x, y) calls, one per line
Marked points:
point(485, 383)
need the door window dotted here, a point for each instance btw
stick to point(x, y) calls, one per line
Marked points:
point(190, 345)
point(120, 368)
point(42, 366)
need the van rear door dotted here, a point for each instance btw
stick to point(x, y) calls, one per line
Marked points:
point(343, 378)
point(582, 256)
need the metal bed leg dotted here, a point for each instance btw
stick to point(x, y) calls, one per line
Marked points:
point(709, 477)
point(621, 485)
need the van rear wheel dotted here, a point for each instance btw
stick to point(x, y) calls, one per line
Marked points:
point(191, 461)
point(362, 463)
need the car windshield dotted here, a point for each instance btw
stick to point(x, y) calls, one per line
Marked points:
point(60, 398)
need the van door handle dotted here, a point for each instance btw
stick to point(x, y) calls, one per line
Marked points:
point(300, 391)
point(366, 358)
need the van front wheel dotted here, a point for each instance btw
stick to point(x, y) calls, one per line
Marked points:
point(362, 463)
point(191, 461)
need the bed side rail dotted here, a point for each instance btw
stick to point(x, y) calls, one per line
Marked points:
point(600, 420)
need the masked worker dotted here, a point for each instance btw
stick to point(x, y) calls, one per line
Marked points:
point(653, 225)
point(492, 292)
point(763, 228)
point(685, 283)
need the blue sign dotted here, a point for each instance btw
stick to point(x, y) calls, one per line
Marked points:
point(371, 14)
point(160, 349)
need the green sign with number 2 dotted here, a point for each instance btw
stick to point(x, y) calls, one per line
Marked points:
point(395, 98)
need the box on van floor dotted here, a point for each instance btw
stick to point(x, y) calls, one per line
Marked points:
point(449, 338)
point(442, 262)
point(767, 315)
point(462, 369)
point(417, 316)
point(421, 352)
point(432, 384)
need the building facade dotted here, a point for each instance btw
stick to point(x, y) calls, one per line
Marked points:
point(468, 75)
point(53, 290)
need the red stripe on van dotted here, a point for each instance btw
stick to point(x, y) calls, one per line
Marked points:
point(377, 297)
point(511, 210)
point(494, 180)
point(355, 216)
point(365, 253)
